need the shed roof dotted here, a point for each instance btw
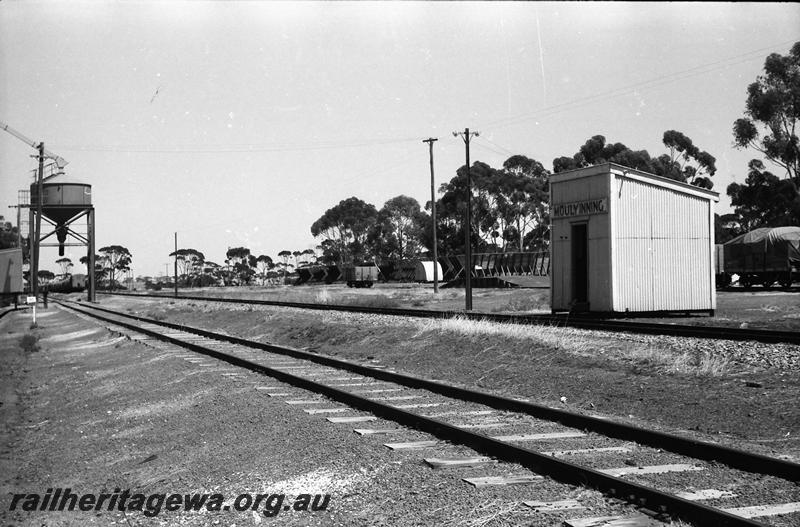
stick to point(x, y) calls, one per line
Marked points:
point(633, 173)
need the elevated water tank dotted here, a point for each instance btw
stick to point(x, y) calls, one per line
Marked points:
point(63, 198)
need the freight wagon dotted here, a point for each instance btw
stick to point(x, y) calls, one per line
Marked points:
point(68, 284)
point(760, 257)
point(361, 275)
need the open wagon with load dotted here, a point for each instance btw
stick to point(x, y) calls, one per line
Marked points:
point(761, 257)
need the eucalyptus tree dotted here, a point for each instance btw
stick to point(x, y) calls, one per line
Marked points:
point(241, 265)
point(764, 200)
point(685, 162)
point(346, 227)
point(772, 111)
point(117, 260)
point(398, 230)
point(65, 264)
point(264, 264)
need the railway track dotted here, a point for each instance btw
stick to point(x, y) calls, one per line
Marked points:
point(574, 321)
point(649, 470)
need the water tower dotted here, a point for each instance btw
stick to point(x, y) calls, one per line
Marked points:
point(66, 204)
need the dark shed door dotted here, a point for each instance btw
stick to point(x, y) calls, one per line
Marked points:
point(580, 261)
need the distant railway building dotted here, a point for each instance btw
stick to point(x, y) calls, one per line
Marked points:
point(423, 271)
point(623, 240)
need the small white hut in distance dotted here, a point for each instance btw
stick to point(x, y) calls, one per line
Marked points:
point(623, 240)
point(423, 271)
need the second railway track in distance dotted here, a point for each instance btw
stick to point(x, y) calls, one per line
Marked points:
point(649, 470)
point(575, 321)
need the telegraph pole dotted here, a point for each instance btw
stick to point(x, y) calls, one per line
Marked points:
point(19, 227)
point(34, 255)
point(176, 265)
point(466, 135)
point(430, 142)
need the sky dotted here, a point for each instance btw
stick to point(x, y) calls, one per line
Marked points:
point(240, 123)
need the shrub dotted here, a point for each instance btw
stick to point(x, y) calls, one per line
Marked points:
point(29, 343)
point(155, 315)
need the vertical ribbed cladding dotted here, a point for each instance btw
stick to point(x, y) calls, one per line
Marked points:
point(632, 281)
point(662, 249)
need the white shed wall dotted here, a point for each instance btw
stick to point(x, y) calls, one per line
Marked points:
point(662, 248)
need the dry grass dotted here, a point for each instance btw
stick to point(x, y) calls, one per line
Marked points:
point(695, 362)
point(566, 339)
point(582, 343)
point(495, 512)
point(323, 297)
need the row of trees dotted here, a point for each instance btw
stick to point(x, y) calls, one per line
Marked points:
point(111, 264)
point(240, 267)
point(684, 162)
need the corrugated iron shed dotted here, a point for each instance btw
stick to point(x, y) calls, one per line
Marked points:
point(623, 240)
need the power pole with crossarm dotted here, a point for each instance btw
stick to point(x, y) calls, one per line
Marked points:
point(466, 135)
point(430, 142)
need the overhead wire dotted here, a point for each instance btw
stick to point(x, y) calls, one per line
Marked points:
point(235, 148)
point(646, 84)
point(492, 146)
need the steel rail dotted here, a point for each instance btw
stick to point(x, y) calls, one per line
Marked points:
point(651, 500)
point(7, 311)
point(694, 448)
point(571, 320)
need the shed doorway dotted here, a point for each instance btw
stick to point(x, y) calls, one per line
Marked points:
point(580, 267)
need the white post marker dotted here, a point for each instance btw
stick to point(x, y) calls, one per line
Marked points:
point(32, 300)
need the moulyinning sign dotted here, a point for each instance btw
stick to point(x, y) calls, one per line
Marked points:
point(580, 208)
